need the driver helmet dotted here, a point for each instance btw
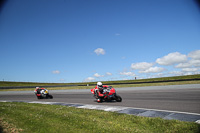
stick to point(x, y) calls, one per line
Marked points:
point(37, 88)
point(99, 84)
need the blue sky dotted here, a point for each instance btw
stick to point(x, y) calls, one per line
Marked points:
point(97, 40)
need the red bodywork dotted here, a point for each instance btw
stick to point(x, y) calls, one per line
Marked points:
point(111, 91)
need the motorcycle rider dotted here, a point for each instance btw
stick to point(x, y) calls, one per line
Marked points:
point(101, 89)
point(38, 90)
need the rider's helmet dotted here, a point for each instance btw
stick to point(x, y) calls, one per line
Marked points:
point(37, 88)
point(100, 86)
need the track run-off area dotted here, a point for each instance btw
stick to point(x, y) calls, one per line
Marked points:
point(180, 102)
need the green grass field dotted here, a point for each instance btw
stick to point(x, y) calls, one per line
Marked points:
point(30, 118)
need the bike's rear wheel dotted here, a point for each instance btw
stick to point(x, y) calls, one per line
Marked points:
point(50, 96)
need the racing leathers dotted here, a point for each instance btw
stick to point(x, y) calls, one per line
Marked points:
point(40, 91)
point(101, 91)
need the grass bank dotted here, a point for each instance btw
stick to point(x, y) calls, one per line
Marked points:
point(26, 117)
point(115, 86)
point(178, 80)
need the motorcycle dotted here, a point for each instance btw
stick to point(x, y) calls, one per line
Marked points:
point(108, 94)
point(43, 94)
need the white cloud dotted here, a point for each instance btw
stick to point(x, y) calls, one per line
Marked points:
point(125, 79)
point(177, 73)
point(108, 73)
point(171, 59)
point(153, 70)
point(189, 73)
point(141, 65)
point(185, 71)
point(117, 34)
point(99, 51)
point(157, 75)
point(89, 79)
point(195, 55)
point(98, 75)
point(190, 69)
point(183, 65)
point(190, 63)
point(127, 73)
point(123, 57)
point(56, 72)
point(195, 63)
point(62, 80)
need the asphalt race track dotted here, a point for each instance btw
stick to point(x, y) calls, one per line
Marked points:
point(182, 98)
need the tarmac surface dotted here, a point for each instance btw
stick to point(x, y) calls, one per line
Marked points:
point(181, 102)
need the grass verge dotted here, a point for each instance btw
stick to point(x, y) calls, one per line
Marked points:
point(115, 86)
point(26, 117)
point(138, 81)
